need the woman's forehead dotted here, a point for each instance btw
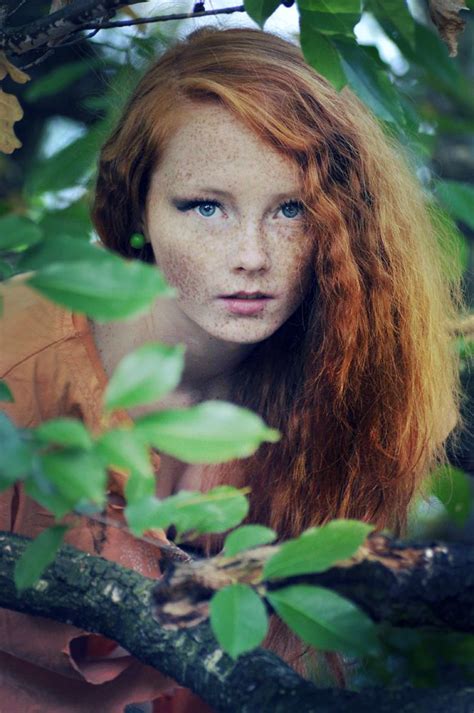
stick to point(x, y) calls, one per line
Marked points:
point(210, 143)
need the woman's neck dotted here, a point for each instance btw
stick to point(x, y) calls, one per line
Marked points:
point(209, 362)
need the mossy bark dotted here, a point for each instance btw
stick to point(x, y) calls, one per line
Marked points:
point(101, 596)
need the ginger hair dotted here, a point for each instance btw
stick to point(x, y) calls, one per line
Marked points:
point(363, 380)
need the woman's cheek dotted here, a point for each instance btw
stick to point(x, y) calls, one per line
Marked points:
point(182, 271)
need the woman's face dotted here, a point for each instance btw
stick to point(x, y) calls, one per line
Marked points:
point(223, 217)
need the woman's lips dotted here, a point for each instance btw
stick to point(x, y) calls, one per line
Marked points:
point(242, 306)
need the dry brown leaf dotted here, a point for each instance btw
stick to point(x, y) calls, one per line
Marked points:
point(16, 74)
point(445, 15)
point(10, 109)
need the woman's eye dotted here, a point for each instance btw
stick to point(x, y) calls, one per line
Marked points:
point(291, 209)
point(206, 208)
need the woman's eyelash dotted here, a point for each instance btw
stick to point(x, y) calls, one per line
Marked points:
point(187, 205)
point(194, 203)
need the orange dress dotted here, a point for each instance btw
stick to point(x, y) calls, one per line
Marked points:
point(49, 360)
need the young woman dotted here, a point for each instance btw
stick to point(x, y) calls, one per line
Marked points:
point(310, 289)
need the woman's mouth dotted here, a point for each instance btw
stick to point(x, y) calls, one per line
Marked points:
point(246, 304)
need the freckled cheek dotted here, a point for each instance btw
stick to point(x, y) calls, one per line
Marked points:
point(182, 270)
point(297, 263)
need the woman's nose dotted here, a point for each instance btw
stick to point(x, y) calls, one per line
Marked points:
point(250, 250)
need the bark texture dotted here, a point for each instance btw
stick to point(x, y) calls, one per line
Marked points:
point(100, 596)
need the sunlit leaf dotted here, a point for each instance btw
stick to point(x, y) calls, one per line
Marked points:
point(105, 289)
point(238, 619)
point(217, 510)
point(64, 432)
point(317, 549)
point(145, 375)
point(211, 432)
point(247, 536)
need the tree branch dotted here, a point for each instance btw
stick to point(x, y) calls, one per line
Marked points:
point(61, 27)
point(403, 584)
point(51, 29)
point(98, 595)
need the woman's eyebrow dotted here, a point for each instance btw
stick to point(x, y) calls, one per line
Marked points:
point(228, 194)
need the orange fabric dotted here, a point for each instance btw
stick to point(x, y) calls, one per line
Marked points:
point(50, 362)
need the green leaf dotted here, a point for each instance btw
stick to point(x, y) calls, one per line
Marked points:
point(458, 199)
point(320, 52)
point(217, 510)
point(330, 18)
point(16, 232)
point(260, 10)
point(145, 375)
point(76, 475)
point(37, 556)
point(73, 222)
point(452, 487)
point(125, 448)
point(61, 249)
point(395, 19)
point(104, 290)
point(64, 432)
point(238, 619)
point(211, 432)
point(325, 620)
point(5, 392)
point(369, 82)
point(247, 536)
point(68, 167)
point(57, 79)
point(40, 488)
point(15, 453)
point(317, 549)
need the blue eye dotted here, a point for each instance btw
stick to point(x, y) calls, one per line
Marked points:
point(292, 208)
point(207, 210)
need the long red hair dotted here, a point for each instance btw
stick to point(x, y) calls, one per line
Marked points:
point(362, 381)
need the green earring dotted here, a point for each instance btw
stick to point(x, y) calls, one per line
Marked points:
point(137, 241)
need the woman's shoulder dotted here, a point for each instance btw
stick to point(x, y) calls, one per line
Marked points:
point(39, 341)
point(29, 323)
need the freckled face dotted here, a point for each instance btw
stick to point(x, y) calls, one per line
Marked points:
point(223, 216)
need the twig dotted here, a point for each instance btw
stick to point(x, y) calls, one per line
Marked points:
point(165, 18)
